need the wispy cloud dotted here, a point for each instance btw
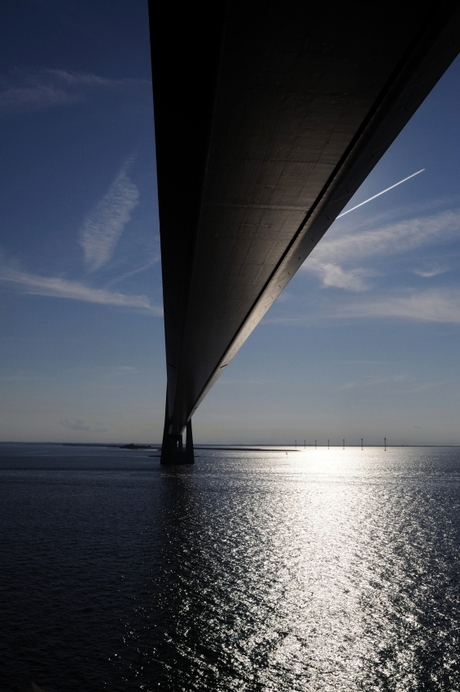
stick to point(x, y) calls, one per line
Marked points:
point(391, 239)
point(372, 381)
point(126, 275)
point(336, 276)
point(56, 287)
point(104, 225)
point(436, 305)
point(430, 271)
point(77, 79)
point(49, 88)
point(35, 97)
point(334, 260)
point(426, 386)
point(80, 426)
point(123, 370)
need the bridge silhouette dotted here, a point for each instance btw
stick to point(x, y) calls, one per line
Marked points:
point(268, 117)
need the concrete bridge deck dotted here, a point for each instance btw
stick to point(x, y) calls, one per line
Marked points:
point(268, 117)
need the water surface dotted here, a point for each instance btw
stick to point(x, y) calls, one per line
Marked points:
point(318, 570)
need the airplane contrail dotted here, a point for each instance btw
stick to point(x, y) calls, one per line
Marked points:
point(380, 193)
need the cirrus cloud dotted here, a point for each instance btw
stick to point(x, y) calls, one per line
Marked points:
point(335, 258)
point(435, 305)
point(25, 91)
point(104, 225)
point(56, 287)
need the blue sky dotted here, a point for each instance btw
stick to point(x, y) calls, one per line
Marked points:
point(364, 342)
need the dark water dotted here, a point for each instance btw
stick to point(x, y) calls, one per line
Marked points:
point(321, 570)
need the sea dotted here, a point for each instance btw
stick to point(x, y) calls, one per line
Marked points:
point(309, 570)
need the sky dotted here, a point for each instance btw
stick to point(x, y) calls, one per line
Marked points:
point(364, 341)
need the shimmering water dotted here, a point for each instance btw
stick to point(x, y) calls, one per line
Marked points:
point(314, 571)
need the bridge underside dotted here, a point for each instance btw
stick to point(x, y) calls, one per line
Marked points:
point(268, 117)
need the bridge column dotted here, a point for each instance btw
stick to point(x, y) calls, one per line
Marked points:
point(189, 452)
point(172, 448)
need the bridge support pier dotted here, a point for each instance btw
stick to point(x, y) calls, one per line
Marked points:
point(172, 449)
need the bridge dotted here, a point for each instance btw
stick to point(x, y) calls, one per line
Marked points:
point(268, 117)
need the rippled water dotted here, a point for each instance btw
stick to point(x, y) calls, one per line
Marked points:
point(314, 571)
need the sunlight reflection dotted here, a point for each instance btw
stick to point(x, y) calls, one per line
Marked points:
point(308, 571)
